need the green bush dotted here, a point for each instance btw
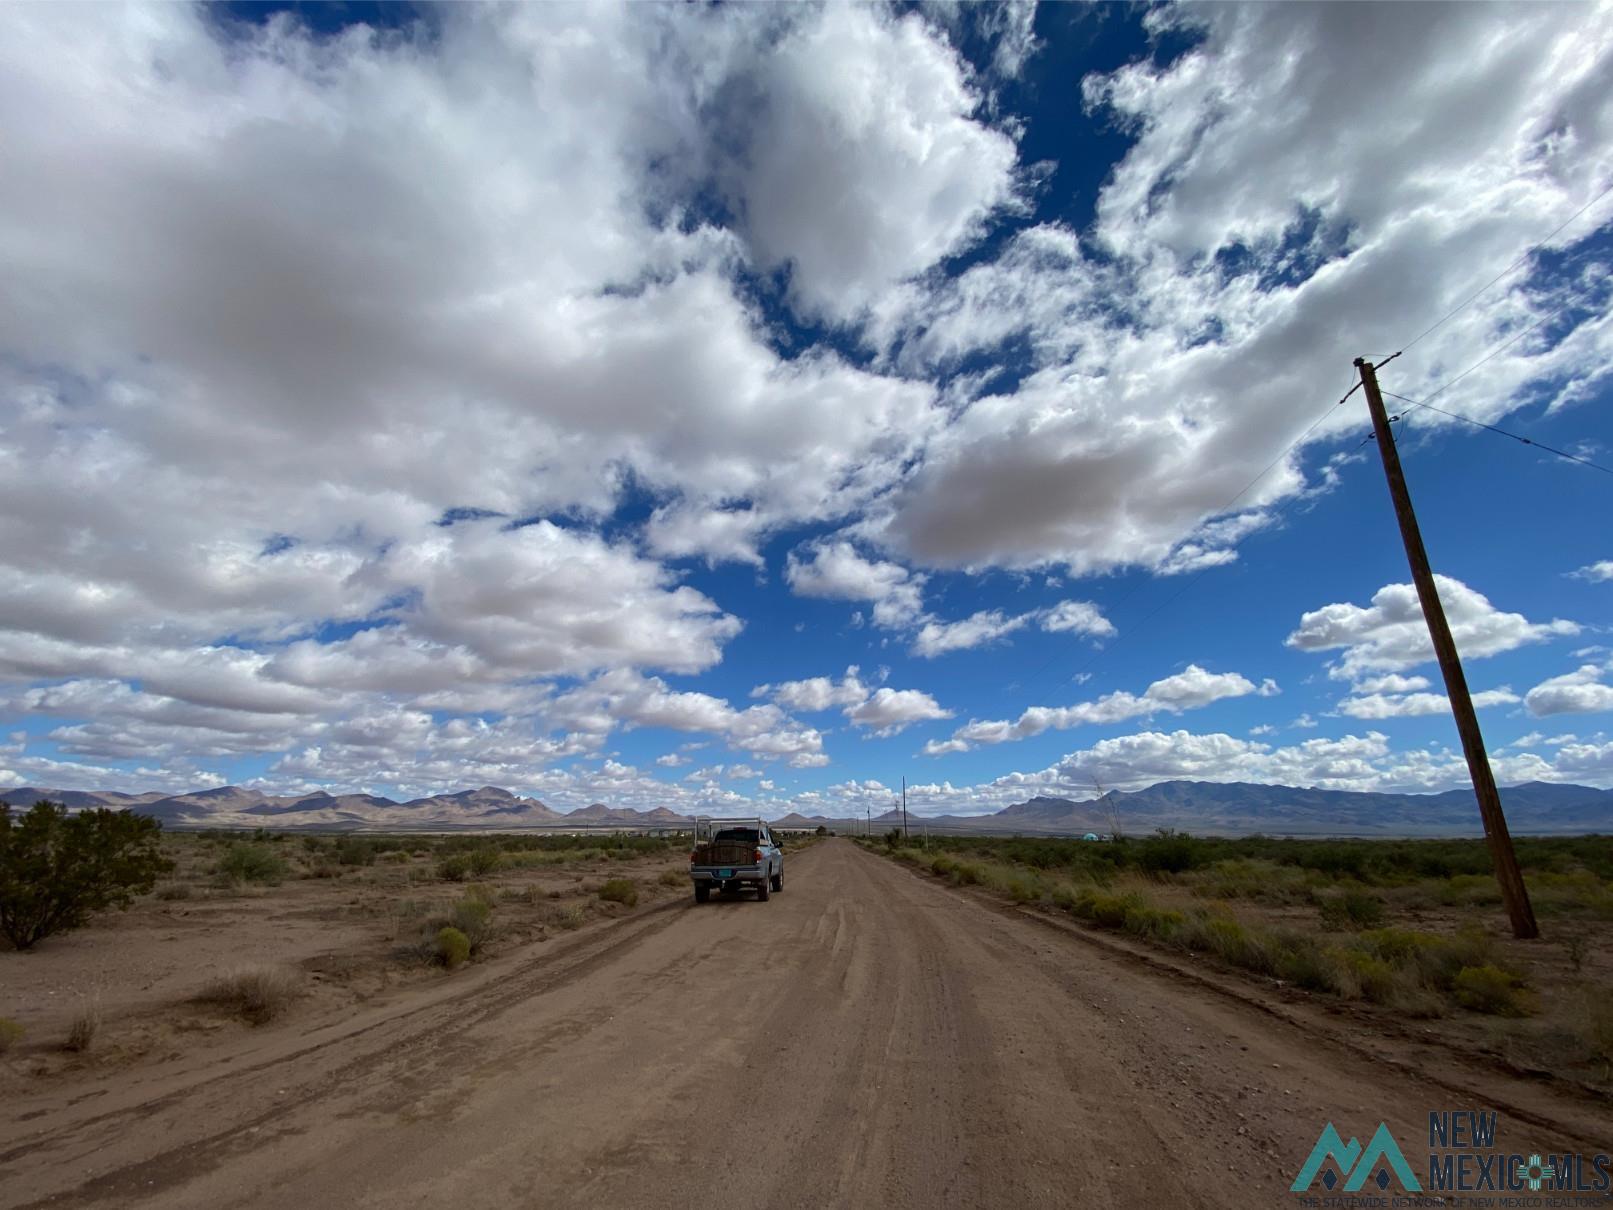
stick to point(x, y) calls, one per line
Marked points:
point(1158, 924)
point(1489, 989)
point(1351, 909)
point(453, 947)
point(246, 862)
point(673, 878)
point(56, 869)
point(483, 861)
point(454, 869)
point(620, 890)
point(472, 917)
point(10, 1034)
point(355, 851)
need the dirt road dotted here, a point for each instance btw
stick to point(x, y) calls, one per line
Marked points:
point(866, 1038)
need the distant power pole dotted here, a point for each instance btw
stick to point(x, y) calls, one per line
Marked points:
point(904, 806)
point(1513, 891)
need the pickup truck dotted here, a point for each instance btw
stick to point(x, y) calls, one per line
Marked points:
point(733, 853)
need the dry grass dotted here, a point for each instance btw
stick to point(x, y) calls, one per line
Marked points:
point(86, 1025)
point(255, 993)
point(10, 1034)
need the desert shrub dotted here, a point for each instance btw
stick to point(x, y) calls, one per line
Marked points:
point(1575, 946)
point(396, 857)
point(672, 878)
point(355, 851)
point(453, 947)
point(1593, 1029)
point(175, 890)
point(10, 1034)
point(1490, 989)
point(1350, 909)
point(893, 838)
point(1023, 889)
point(472, 917)
point(1158, 924)
point(57, 869)
point(1375, 978)
point(86, 1025)
point(1109, 911)
point(454, 868)
point(247, 862)
point(1435, 960)
point(258, 994)
point(568, 917)
point(620, 890)
point(483, 861)
point(1297, 959)
point(1170, 853)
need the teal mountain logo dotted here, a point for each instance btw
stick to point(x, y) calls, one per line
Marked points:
point(1375, 1162)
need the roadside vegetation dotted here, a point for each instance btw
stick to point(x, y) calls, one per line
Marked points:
point(321, 920)
point(1410, 926)
point(57, 869)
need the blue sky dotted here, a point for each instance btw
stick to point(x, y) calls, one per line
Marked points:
point(681, 406)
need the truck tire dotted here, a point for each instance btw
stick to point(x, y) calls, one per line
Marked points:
point(702, 892)
point(778, 881)
point(761, 890)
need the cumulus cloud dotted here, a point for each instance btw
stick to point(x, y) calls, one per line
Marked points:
point(1243, 251)
point(1596, 572)
point(1390, 634)
point(631, 699)
point(1191, 689)
point(1415, 705)
point(849, 200)
point(836, 570)
point(885, 710)
point(1584, 691)
point(888, 711)
point(378, 380)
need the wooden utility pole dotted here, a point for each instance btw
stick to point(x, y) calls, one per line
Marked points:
point(1513, 891)
point(904, 806)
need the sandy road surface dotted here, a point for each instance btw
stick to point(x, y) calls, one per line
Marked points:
point(866, 1038)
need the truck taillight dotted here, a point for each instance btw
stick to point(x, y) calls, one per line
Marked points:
point(691, 856)
point(758, 856)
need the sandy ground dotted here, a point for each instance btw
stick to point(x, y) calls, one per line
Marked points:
point(866, 1038)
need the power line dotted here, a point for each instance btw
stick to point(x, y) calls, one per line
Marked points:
point(1528, 252)
point(1595, 466)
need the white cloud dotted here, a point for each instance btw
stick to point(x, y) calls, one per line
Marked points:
point(1256, 216)
point(1391, 634)
point(816, 693)
point(1414, 705)
point(886, 710)
point(1191, 689)
point(1081, 617)
point(1583, 691)
point(891, 710)
point(864, 164)
point(631, 699)
point(835, 570)
point(1598, 572)
point(937, 638)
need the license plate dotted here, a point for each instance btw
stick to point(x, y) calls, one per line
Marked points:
point(725, 873)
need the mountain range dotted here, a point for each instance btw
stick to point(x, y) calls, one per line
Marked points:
point(1215, 808)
